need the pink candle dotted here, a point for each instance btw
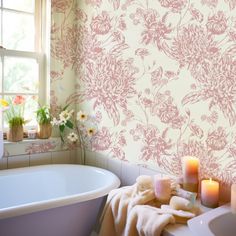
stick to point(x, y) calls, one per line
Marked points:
point(210, 193)
point(190, 173)
point(162, 187)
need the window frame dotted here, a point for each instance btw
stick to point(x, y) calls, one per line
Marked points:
point(39, 53)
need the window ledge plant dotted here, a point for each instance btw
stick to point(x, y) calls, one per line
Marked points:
point(44, 119)
point(14, 115)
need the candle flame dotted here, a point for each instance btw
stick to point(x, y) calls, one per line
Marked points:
point(210, 179)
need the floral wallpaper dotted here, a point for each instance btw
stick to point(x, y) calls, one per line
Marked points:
point(158, 75)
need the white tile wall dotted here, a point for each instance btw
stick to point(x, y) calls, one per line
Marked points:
point(3, 163)
point(146, 171)
point(101, 160)
point(129, 173)
point(73, 159)
point(90, 158)
point(125, 171)
point(18, 161)
point(40, 159)
point(78, 156)
point(114, 166)
point(61, 157)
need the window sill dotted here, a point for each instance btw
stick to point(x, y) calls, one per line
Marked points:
point(28, 141)
point(32, 146)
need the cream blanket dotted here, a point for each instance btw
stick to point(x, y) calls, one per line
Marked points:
point(134, 211)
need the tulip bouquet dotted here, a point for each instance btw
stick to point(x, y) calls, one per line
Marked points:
point(15, 110)
point(14, 115)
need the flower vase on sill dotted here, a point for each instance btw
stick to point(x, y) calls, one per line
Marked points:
point(15, 118)
point(44, 122)
point(15, 133)
point(44, 131)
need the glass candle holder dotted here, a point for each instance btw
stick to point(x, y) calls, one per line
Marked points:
point(32, 133)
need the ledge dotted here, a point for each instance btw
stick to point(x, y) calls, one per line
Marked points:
point(32, 146)
point(28, 141)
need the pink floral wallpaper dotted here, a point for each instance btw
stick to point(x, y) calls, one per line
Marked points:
point(158, 75)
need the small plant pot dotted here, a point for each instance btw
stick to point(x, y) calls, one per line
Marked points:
point(15, 133)
point(44, 131)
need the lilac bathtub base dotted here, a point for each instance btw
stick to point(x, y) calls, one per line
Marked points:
point(72, 220)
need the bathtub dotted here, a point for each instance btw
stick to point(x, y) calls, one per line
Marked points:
point(52, 200)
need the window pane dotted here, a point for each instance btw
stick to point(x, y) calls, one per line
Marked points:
point(20, 75)
point(18, 31)
point(1, 27)
point(1, 58)
point(29, 106)
point(20, 5)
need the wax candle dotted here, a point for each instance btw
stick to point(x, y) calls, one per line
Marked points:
point(162, 188)
point(190, 173)
point(32, 133)
point(210, 193)
point(233, 198)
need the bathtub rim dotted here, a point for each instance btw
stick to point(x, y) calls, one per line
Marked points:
point(61, 201)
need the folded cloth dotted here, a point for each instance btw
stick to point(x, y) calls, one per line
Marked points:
point(145, 220)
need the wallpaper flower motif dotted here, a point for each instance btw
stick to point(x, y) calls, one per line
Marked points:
point(217, 24)
point(110, 83)
point(160, 74)
point(101, 24)
point(174, 5)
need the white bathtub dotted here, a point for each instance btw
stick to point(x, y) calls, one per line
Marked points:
point(52, 200)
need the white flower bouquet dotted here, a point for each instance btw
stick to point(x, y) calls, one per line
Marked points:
point(81, 126)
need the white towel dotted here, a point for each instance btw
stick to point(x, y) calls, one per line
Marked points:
point(145, 220)
point(134, 210)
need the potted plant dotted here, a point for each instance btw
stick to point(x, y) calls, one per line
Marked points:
point(15, 118)
point(44, 118)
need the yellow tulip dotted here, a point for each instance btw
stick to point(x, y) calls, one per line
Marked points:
point(4, 103)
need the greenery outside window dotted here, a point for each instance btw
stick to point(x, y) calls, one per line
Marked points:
point(22, 54)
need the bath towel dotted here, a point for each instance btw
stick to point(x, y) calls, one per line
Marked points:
point(144, 220)
point(121, 201)
point(134, 210)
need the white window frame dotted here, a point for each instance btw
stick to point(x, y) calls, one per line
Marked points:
point(39, 54)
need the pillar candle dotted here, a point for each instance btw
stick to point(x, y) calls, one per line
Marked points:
point(233, 198)
point(162, 188)
point(210, 193)
point(190, 173)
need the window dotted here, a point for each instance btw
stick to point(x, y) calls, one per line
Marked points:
point(22, 53)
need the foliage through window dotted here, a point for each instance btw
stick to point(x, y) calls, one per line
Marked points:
point(22, 70)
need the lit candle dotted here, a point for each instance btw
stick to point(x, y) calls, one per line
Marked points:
point(210, 193)
point(190, 173)
point(233, 198)
point(162, 187)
